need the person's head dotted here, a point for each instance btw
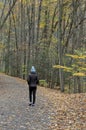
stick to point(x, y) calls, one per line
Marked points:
point(33, 70)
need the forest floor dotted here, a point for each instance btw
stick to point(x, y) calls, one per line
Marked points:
point(53, 110)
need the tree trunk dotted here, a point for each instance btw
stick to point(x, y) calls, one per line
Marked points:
point(60, 53)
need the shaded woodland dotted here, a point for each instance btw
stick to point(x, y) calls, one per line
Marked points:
point(49, 34)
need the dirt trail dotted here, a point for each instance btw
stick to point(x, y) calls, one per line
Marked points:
point(53, 110)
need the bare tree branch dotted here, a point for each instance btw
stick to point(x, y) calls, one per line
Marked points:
point(1, 26)
point(3, 10)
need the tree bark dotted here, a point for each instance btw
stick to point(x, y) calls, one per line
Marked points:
point(60, 53)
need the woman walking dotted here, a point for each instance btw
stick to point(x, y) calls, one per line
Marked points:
point(33, 81)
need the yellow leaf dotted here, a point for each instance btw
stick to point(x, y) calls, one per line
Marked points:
point(73, 56)
point(76, 56)
point(79, 74)
point(42, 25)
point(82, 57)
point(68, 69)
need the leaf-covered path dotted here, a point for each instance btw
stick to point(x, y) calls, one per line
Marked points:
point(53, 110)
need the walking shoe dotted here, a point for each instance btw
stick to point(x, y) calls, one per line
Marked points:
point(33, 104)
point(30, 104)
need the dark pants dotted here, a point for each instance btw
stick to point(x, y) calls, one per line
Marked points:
point(32, 94)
